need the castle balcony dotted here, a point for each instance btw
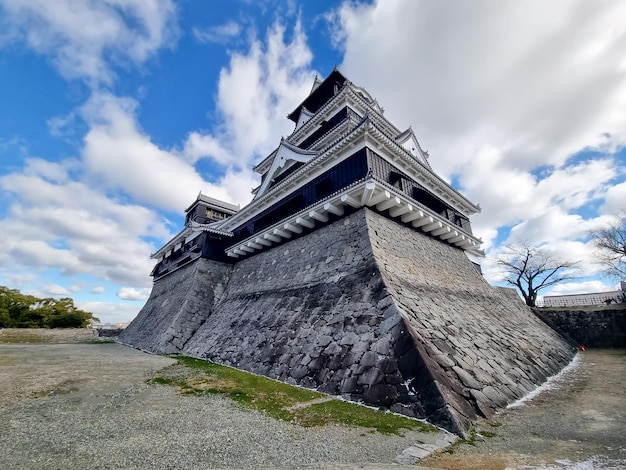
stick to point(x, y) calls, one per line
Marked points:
point(377, 195)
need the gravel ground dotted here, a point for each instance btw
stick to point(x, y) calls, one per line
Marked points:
point(578, 423)
point(88, 406)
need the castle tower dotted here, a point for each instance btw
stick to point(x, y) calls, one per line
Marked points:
point(354, 271)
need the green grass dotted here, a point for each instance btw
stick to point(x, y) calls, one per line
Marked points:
point(160, 381)
point(351, 414)
point(281, 401)
point(474, 437)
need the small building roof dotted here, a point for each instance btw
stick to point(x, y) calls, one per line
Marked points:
point(215, 203)
point(320, 94)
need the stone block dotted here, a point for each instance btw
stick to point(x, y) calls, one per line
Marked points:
point(324, 340)
point(392, 320)
point(349, 339)
point(317, 363)
point(332, 348)
point(494, 396)
point(360, 347)
point(371, 376)
point(335, 363)
point(382, 346)
point(387, 365)
point(368, 359)
point(380, 394)
point(444, 360)
point(349, 385)
point(467, 379)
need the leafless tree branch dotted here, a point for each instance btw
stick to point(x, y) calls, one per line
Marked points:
point(610, 243)
point(531, 268)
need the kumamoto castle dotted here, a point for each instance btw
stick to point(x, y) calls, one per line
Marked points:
point(354, 271)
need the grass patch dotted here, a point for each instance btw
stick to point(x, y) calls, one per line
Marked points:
point(279, 400)
point(474, 437)
point(160, 381)
point(351, 414)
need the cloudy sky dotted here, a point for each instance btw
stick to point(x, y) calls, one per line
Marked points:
point(114, 114)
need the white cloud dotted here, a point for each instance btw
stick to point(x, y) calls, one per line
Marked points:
point(255, 93)
point(130, 293)
point(614, 202)
point(54, 222)
point(540, 82)
point(85, 37)
point(509, 196)
point(117, 154)
point(111, 312)
point(55, 290)
point(587, 287)
point(98, 290)
point(498, 91)
point(220, 34)
point(62, 126)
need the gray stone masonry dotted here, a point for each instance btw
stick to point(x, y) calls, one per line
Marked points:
point(483, 347)
point(179, 303)
point(365, 308)
point(595, 327)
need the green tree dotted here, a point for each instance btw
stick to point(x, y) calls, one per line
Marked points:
point(18, 310)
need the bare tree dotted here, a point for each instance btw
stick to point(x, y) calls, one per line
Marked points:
point(610, 243)
point(531, 268)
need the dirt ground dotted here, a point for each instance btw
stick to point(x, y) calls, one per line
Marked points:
point(89, 406)
point(579, 422)
point(52, 394)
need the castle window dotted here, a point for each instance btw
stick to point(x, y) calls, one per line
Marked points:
point(395, 179)
point(215, 215)
point(323, 188)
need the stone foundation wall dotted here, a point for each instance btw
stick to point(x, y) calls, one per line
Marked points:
point(179, 303)
point(365, 308)
point(313, 312)
point(481, 344)
point(600, 327)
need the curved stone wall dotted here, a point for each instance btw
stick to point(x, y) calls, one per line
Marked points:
point(179, 303)
point(366, 308)
point(481, 344)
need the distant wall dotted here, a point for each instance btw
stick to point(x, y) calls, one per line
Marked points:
point(47, 335)
point(109, 332)
point(602, 327)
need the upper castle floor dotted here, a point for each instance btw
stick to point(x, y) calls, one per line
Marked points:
point(343, 154)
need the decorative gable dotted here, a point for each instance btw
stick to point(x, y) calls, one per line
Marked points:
point(284, 157)
point(305, 116)
point(408, 141)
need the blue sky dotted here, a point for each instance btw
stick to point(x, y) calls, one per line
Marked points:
point(115, 114)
